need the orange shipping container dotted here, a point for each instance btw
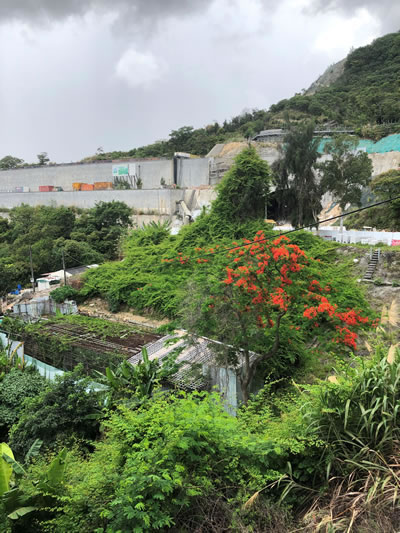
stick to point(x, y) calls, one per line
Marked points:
point(87, 187)
point(102, 185)
point(76, 186)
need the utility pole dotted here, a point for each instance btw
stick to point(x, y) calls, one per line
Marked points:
point(32, 275)
point(63, 262)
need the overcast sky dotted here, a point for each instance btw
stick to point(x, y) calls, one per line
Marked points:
point(79, 74)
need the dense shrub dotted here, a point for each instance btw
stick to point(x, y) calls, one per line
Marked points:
point(15, 387)
point(181, 461)
point(64, 293)
point(59, 414)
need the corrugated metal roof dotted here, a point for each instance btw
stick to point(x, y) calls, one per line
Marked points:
point(196, 354)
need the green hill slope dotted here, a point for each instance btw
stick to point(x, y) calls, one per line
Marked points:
point(365, 96)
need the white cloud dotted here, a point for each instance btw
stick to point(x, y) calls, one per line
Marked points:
point(139, 69)
point(340, 33)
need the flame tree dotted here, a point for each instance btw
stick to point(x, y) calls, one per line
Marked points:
point(265, 288)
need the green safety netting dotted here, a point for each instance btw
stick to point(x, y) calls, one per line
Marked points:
point(391, 143)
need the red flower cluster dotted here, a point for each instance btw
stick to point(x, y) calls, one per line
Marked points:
point(347, 337)
point(265, 284)
point(350, 317)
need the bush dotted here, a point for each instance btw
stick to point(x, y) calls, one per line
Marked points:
point(64, 293)
point(59, 414)
point(179, 462)
point(15, 387)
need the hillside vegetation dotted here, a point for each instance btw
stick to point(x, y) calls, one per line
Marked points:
point(136, 454)
point(366, 96)
point(83, 236)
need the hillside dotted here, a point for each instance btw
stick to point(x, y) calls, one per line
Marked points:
point(361, 91)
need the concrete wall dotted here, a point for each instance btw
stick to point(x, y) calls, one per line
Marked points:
point(44, 306)
point(151, 173)
point(161, 201)
point(57, 175)
point(196, 199)
point(268, 152)
point(193, 172)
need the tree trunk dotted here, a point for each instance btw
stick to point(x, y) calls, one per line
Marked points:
point(248, 370)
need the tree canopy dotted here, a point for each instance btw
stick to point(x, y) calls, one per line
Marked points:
point(347, 172)
point(85, 238)
point(298, 190)
point(9, 162)
point(243, 191)
point(43, 158)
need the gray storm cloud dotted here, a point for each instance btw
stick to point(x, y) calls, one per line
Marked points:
point(387, 11)
point(47, 10)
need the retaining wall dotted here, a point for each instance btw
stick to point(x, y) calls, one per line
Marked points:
point(57, 175)
point(161, 201)
point(191, 172)
point(151, 173)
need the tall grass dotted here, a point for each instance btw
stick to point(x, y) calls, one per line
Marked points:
point(359, 420)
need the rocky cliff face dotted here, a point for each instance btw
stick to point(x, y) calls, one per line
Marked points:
point(330, 75)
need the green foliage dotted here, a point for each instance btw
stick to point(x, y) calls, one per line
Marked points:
point(62, 351)
point(5, 468)
point(50, 231)
point(134, 384)
point(31, 500)
point(385, 186)
point(181, 462)
point(360, 415)
point(97, 326)
point(358, 420)
point(176, 462)
point(64, 293)
point(121, 183)
point(267, 298)
point(43, 158)
point(10, 161)
point(103, 226)
point(243, 191)
point(60, 413)
point(143, 281)
point(298, 198)
point(9, 359)
point(15, 387)
point(153, 276)
point(382, 217)
point(347, 172)
point(10, 274)
point(364, 95)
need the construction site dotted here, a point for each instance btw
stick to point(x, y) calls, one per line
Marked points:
point(157, 186)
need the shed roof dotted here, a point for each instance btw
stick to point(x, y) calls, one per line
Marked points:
point(74, 271)
point(195, 353)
